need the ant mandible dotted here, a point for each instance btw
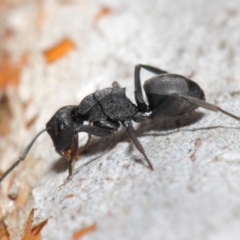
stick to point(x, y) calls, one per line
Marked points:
point(167, 94)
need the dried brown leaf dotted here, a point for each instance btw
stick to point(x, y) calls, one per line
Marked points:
point(104, 11)
point(77, 235)
point(58, 51)
point(33, 233)
point(4, 235)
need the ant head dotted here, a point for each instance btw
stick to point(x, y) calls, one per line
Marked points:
point(62, 127)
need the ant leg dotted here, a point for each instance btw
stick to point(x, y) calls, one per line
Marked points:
point(151, 69)
point(95, 130)
point(74, 151)
point(206, 105)
point(101, 125)
point(141, 104)
point(112, 125)
point(138, 145)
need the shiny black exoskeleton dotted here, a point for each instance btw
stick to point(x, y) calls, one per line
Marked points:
point(102, 112)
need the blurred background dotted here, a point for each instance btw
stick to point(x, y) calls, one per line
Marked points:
point(55, 52)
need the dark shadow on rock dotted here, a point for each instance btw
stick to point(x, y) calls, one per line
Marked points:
point(61, 165)
point(105, 144)
point(87, 163)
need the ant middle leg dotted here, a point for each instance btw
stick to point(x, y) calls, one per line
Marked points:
point(108, 124)
point(138, 145)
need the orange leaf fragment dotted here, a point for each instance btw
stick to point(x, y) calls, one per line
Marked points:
point(77, 235)
point(32, 233)
point(58, 51)
point(37, 229)
point(70, 195)
point(102, 13)
point(4, 235)
point(27, 234)
point(6, 116)
point(10, 71)
point(30, 122)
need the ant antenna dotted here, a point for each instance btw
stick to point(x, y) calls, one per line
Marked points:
point(23, 156)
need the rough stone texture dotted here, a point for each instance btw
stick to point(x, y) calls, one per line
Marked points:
point(194, 192)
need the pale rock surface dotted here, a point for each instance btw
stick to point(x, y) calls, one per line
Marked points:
point(194, 191)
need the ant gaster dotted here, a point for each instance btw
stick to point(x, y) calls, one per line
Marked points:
point(167, 94)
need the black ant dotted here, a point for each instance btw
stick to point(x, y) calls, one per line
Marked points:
point(167, 94)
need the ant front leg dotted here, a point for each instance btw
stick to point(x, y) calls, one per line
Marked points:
point(73, 154)
point(141, 104)
point(91, 130)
